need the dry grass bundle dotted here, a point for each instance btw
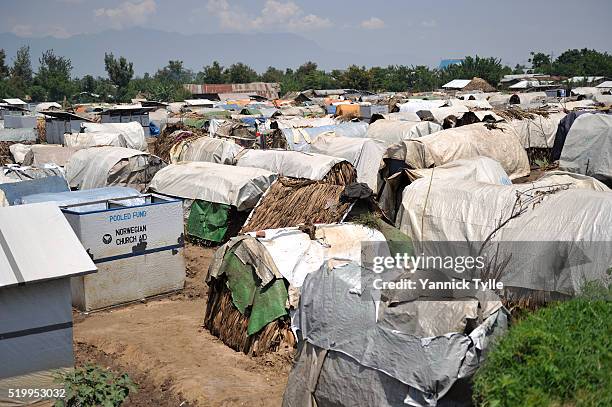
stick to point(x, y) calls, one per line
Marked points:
point(479, 84)
point(41, 128)
point(342, 173)
point(224, 321)
point(516, 113)
point(290, 202)
point(169, 138)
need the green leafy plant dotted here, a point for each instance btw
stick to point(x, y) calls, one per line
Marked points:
point(90, 386)
point(560, 355)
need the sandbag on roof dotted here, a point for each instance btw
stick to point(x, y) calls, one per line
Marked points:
point(588, 147)
point(86, 140)
point(358, 351)
point(394, 131)
point(40, 154)
point(538, 132)
point(237, 186)
point(209, 149)
point(293, 164)
point(105, 166)
point(464, 142)
point(132, 132)
point(365, 154)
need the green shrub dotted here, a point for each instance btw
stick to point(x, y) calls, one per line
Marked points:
point(91, 386)
point(558, 356)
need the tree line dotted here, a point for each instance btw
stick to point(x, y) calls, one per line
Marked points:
point(53, 80)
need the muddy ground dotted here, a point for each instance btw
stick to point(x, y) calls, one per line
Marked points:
point(174, 361)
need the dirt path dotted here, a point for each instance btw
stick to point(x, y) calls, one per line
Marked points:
point(161, 345)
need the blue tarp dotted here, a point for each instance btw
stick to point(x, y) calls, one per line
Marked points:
point(15, 191)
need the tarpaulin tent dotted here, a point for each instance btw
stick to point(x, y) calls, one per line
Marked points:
point(364, 153)
point(41, 154)
point(464, 142)
point(217, 198)
point(414, 105)
point(132, 132)
point(295, 164)
point(212, 150)
point(255, 279)
point(415, 351)
point(87, 140)
point(299, 139)
point(588, 147)
point(394, 131)
point(35, 305)
point(105, 166)
point(536, 132)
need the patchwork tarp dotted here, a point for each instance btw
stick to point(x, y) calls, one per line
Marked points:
point(98, 139)
point(464, 142)
point(364, 153)
point(289, 163)
point(99, 167)
point(208, 149)
point(588, 147)
point(358, 351)
point(208, 221)
point(41, 154)
point(299, 139)
point(394, 131)
point(237, 186)
point(132, 132)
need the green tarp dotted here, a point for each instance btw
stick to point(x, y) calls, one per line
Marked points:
point(265, 304)
point(208, 220)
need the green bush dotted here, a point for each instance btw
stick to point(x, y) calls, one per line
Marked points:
point(558, 356)
point(91, 386)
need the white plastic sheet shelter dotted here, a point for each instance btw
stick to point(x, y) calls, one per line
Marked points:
point(538, 132)
point(132, 132)
point(394, 131)
point(289, 163)
point(407, 116)
point(19, 151)
point(238, 186)
point(441, 113)
point(39, 253)
point(99, 167)
point(414, 105)
point(457, 84)
point(480, 169)
point(41, 154)
point(87, 140)
point(208, 149)
point(464, 142)
point(588, 147)
point(364, 153)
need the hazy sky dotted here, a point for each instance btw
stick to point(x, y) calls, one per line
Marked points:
point(426, 31)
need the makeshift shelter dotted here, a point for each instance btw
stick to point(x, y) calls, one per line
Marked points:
point(35, 309)
point(410, 348)
point(348, 110)
point(480, 169)
point(394, 131)
point(588, 147)
point(254, 280)
point(364, 153)
point(105, 166)
point(299, 139)
point(87, 140)
point(41, 154)
point(132, 132)
point(212, 150)
point(294, 164)
point(463, 142)
point(414, 105)
point(217, 198)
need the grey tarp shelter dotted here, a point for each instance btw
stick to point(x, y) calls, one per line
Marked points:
point(35, 301)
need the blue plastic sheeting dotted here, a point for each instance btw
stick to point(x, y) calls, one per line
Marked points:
point(15, 191)
point(86, 195)
point(346, 129)
point(18, 134)
point(153, 129)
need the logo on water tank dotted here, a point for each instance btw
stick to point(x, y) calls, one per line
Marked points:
point(106, 239)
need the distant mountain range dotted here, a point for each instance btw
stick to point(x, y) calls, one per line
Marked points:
point(150, 50)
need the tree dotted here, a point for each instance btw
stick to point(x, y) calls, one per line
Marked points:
point(540, 62)
point(355, 77)
point(211, 74)
point(174, 72)
point(4, 70)
point(490, 69)
point(53, 77)
point(88, 84)
point(21, 71)
point(120, 73)
point(584, 62)
point(241, 73)
point(273, 75)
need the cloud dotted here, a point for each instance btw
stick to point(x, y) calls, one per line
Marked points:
point(128, 13)
point(22, 30)
point(276, 15)
point(28, 31)
point(429, 23)
point(373, 23)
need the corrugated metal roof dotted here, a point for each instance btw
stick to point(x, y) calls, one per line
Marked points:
point(15, 101)
point(457, 84)
point(606, 84)
point(37, 243)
